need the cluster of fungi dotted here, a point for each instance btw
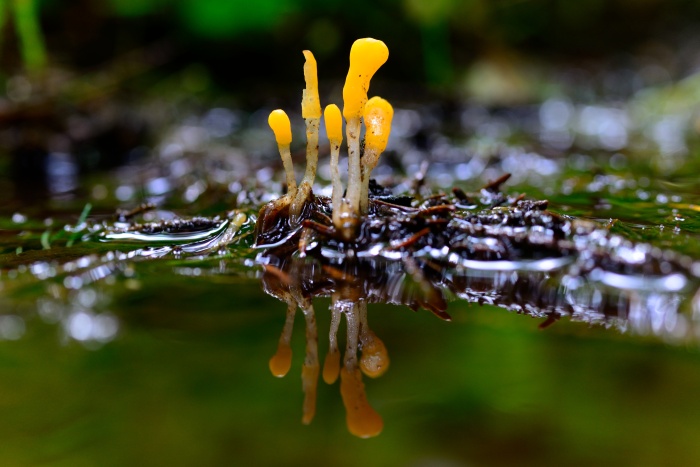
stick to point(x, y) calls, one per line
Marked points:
point(366, 245)
point(366, 56)
point(295, 211)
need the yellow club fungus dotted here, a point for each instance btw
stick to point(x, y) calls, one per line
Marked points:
point(378, 115)
point(311, 111)
point(334, 127)
point(279, 122)
point(366, 56)
point(310, 103)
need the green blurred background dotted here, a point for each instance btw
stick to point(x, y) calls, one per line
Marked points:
point(245, 46)
point(186, 380)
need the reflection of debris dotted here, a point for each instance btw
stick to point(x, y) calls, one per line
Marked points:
point(628, 300)
point(494, 232)
point(74, 301)
point(362, 419)
point(484, 247)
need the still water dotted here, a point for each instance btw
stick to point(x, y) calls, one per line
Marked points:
point(186, 382)
point(150, 358)
point(150, 346)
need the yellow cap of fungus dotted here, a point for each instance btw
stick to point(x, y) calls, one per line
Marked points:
point(279, 122)
point(378, 115)
point(334, 123)
point(366, 56)
point(310, 103)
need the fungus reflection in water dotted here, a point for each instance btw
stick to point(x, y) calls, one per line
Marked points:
point(362, 419)
point(486, 247)
point(633, 306)
point(369, 246)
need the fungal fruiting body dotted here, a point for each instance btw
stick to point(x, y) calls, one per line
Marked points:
point(279, 221)
point(378, 114)
point(420, 252)
point(334, 130)
point(282, 128)
point(270, 213)
point(311, 111)
point(366, 57)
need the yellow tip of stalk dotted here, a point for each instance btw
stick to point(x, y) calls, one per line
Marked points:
point(378, 114)
point(281, 361)
point(366, 56)
point(279, 122)
point(334, 123)
point(310, 103)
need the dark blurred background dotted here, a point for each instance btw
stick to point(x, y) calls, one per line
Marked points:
point(88, 85)
point(500, 50)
